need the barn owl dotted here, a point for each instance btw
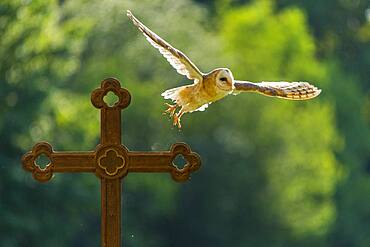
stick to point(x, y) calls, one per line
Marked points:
point(215, 85)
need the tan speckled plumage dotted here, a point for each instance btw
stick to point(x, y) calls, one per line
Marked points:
point(215, 85)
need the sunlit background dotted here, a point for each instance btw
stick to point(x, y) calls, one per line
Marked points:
point(275, 173)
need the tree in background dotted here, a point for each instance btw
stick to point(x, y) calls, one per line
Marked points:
point(342, 31)
point(39, 50)
point(270, 169)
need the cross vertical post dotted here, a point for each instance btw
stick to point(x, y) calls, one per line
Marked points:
point(111, 161)
point(110, 136)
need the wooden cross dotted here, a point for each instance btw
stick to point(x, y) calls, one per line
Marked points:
point(111, 161)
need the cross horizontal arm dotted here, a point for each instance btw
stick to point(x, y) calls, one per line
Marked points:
point(59, 162)
point(73, 161)
point(150, 162)
point(163, 162)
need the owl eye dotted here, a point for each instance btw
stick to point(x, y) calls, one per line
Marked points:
point(223, 79)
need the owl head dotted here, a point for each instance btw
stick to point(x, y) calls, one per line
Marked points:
point(224, 79)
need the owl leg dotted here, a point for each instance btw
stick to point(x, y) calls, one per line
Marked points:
point(177, 118)
point(171, 109)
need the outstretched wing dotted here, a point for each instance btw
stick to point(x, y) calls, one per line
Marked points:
point(286, 90)
point(176, 58)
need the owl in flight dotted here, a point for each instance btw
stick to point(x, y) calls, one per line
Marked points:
point(215, 85)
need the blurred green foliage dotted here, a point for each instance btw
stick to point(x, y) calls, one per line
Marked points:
point(275, 173)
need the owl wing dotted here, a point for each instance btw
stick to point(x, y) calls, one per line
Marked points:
point(286, 90)
point(176, 58)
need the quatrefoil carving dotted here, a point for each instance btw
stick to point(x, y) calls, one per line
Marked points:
point(29, 162)
point(111, 162)
point(192, 162)
point(110, 85)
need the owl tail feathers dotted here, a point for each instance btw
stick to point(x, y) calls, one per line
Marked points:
point(172, 94)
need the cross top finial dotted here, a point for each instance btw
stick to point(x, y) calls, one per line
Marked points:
point(110, 85)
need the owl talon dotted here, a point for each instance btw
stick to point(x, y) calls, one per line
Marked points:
point(177, 119)
point(171, 110)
